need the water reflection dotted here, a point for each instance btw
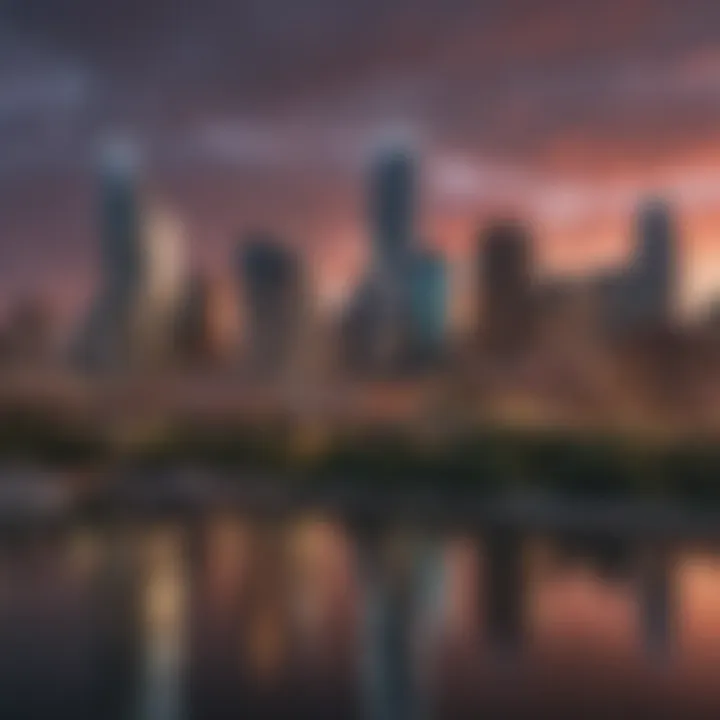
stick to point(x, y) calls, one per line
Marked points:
point(224, 617)
point(163, 629)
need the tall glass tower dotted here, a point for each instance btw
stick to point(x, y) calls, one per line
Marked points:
point(271, 277)
point(392, 198)
point(428, 299)
point(142, 267)
point(505, 264)
point(105, 338)
point(654, 270)
point(120, 222)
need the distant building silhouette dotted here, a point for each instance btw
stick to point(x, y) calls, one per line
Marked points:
point(198, 333)
point(655, 264)
point(377, 327)
point(161, 290)
point(359, 328)
point(143, 271)
point(428, 302)
point(106, 336)
point(275, 301)
point(392, 209)
point(643, 294)
point(505, 286)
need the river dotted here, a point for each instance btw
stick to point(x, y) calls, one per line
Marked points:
point(225, 616)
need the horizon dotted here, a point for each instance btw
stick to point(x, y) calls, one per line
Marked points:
point(564, 115)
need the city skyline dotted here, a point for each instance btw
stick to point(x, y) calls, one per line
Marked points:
point(565, 115)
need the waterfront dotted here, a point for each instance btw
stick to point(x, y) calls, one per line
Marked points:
point(232, 616)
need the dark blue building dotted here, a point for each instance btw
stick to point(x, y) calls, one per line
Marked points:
point(654, 265)
point(505, 285)
point(273, 299)
point(392, 199)
point(428, 299)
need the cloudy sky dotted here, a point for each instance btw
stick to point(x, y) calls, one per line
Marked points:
point(261, 113)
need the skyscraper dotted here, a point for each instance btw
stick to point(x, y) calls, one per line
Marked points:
point(120, 223)
point(143, 272)
point(206, 330)
point(105, 337)
point(379, 319)
point(428, 301)
point(392, 208)
point(505, 285)
point(654, 264)
point(274, 301)
point(194, 328)
point(161, 287)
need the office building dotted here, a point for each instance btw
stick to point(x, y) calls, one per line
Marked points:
point(274, 302)
point(428, 301)
point(377, 327)
point(105, 338)
point(201, 336)
point(505, 286)
point(654, 265)
point(142, 273)
point(392, 209)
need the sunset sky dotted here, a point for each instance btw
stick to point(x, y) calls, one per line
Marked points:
point(262, 112)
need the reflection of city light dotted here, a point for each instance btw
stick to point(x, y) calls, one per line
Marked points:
point(266, 644)
point(226, 558)
point(316, 541)
point(321, 572)
point(163, 631)
point(698, 578)
point(84, 552)
point(164, 601)
point(579, 607)
point(460, 579)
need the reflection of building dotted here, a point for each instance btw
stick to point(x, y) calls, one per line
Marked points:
point(275, 301)
point(506, 286)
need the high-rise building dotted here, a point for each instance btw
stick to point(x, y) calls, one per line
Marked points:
point(654, 265)
point(105, 338)
point(161, 289)
point(392, 208)
point(143, 271)
point(200, 329)
point(377, 325)
point(428, 301)
point(194, 339)
point(121, 219)
point(274, 301)
point(505, 286)
point(373, 337)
